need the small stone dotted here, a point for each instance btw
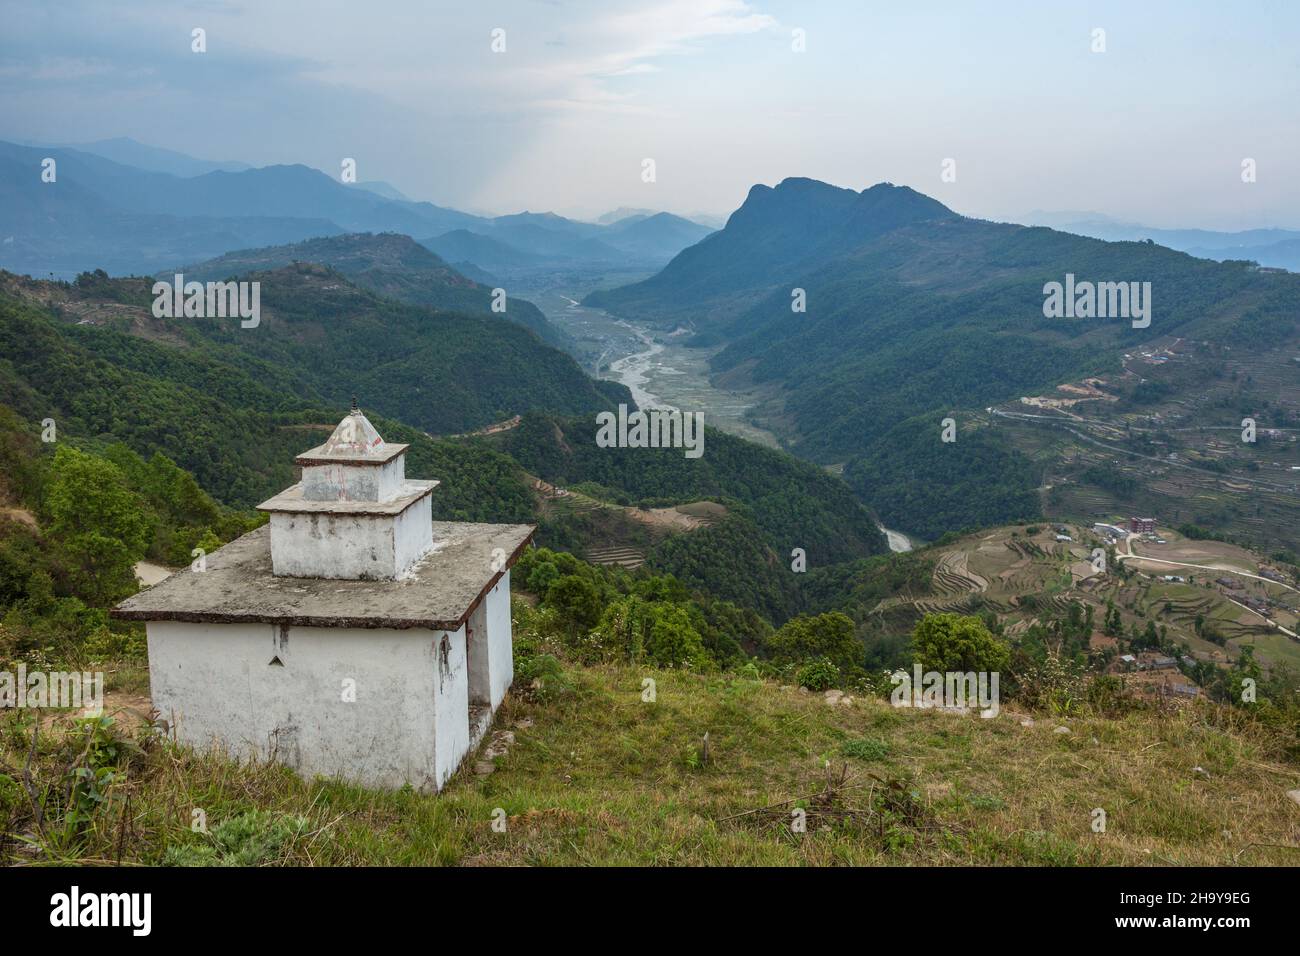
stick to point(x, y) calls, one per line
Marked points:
point(1026, 722)
point(833, 697)
point(524, 723)
point(1294, 795)
point(1201, 770)
point(1061, 730)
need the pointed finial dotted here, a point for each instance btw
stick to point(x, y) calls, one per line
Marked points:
point(354, 404)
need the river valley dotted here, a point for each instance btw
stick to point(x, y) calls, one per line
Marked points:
point(659, 370)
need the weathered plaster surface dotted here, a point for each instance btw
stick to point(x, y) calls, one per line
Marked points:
point(501, 656)
point(258, 689)
point(352, 482)
point(451, 701)
point(476, 640)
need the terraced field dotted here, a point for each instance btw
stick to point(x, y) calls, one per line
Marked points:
point(1023, 576)
point(616, 534)
point(630, 558)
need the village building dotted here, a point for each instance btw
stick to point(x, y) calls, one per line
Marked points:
point(1110, 532)
point(1150, 660)
point(352, 636)
point(1256, 604)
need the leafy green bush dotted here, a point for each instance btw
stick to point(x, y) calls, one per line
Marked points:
point(1055, 685)
point(954, 642)
point(818, 675)
point(829, 636)
point(576, 600)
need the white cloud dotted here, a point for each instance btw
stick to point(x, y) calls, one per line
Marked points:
point(623, 42)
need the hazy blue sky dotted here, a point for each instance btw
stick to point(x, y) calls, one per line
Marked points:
point(1154, 129)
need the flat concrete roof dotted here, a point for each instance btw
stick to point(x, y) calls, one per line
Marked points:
point(238, 587)
point(319, 456)
point(291, 500)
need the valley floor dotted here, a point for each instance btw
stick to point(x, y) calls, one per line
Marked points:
point(659, 369)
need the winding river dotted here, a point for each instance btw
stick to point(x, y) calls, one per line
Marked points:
point(659, 374)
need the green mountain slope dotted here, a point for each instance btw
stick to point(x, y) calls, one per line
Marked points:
point(914, 314)
point(796, 505)
point(778, 233)
point(391, 265)
point(233, 407)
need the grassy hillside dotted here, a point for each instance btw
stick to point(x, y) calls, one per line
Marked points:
point(583, 769)
point(585, 772)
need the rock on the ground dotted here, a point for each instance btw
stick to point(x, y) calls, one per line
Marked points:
point(499, 747)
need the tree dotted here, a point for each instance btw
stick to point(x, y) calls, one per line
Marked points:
point(954, 642)
point(541, 577)
point(101, 525)
point(673, 642)
point(1114, 623)
point(576, 601)
point(830, 636)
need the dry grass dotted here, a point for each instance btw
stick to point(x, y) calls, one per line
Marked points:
point(596, 776)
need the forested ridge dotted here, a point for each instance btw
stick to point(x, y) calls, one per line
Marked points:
point(388, 264)
point(796, 504)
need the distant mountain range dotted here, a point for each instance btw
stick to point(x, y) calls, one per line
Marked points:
point(129, 152)
point(527, 242)
point(1276, 248)
point(130, 208)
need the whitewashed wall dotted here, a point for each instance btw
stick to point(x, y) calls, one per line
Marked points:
point(501, 661)
point(217, 685)
point(332, 546)
point(452, 701)
point(413, 534)
point(339, 482)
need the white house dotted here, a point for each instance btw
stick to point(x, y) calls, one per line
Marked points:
point(352, 636)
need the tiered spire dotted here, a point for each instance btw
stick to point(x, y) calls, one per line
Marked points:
point(354, 514)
